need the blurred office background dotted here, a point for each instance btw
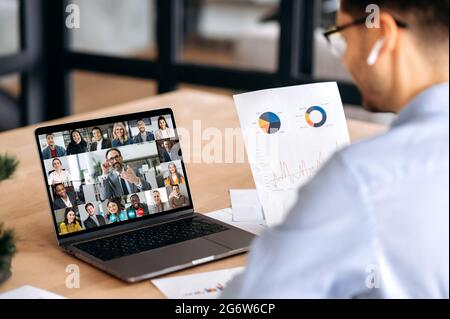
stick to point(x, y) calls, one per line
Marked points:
point(130, 49)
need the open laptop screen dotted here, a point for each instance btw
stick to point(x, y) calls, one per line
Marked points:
point(107, 172)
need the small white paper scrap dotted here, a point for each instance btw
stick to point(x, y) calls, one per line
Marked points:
point(225, 215)
point(246, 206)
point(206, 285)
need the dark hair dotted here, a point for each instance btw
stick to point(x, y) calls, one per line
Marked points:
point(69, 209)
point(49, 134)
point(135, 195)
point(430, 18)
point(115, 201)
point(55, 186)
point(56, 159)
point(98, 129)
point(162, 118)
point(112, 149)
point(81, 136)
point(175, 185)
point(88, 204)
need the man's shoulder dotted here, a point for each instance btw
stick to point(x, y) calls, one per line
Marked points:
point(394, 156)
point(372, 160)
point(72, 193)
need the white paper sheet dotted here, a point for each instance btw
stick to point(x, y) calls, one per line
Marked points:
point(289, 134)
point(29, 292)
point(245, 205)
point(206, 285)
point(225, 215)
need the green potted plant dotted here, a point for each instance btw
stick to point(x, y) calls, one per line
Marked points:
point(7, 251)
point(8, 165)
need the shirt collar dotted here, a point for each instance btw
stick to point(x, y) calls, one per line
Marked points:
point(429, 103)
point(117, 173)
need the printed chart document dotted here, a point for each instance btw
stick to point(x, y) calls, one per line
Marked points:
point(206, 285)
point(289, 134)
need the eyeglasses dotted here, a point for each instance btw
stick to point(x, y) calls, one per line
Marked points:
point(337, 42)
point(114, 159)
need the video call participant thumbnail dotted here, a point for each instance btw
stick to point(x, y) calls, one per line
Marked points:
point(98, 141)
point(52, 150)
point(176, 199)
point(115, 211)
point(59, 174)
point(137, 209)
point(117, 180)
point(120, 135)
point(71, 223)
point(64, 198)
point(144, 135)
point(170, 151)
point(94, 220)
point(77, 144)
point(158, 205)
point(174, 177)
point(164, 131)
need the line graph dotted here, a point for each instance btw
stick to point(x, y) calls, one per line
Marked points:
point(291, 177)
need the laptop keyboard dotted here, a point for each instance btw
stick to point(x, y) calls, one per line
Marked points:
point(145, 239)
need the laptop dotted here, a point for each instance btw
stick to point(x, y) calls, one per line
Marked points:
point(120, 199)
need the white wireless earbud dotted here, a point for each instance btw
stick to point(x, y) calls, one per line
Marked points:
point(374, 54)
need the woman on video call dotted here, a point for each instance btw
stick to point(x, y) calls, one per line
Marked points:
point(77, 145)
point(58, 175)
point(114, 208)
point(174, 177)
point(120, 135)
point(164, 131)
point(70, 223)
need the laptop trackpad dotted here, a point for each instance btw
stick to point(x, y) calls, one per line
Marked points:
point(165, 257)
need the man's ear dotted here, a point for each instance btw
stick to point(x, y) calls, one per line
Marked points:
point(389, 30)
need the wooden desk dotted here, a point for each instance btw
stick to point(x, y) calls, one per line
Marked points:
point(24, 206)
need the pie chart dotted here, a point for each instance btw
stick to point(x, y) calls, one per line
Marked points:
point(314, 110)
point(269, 122)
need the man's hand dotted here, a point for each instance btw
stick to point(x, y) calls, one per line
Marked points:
point(130, 176)
point(105, 168)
